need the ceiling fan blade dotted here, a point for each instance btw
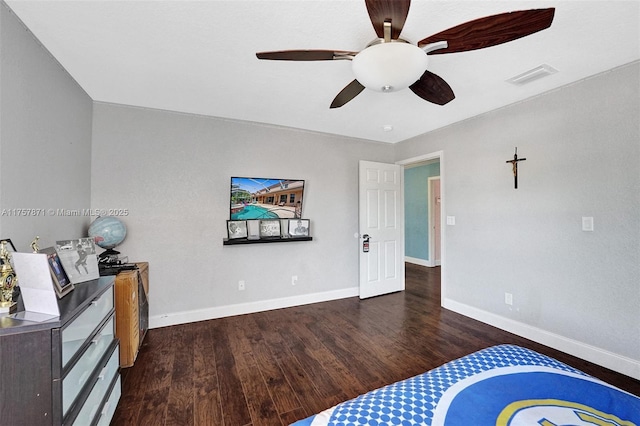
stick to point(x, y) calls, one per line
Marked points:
point(433, 88)
point(306, 55)
point(491, 30)
point(394, 10)
point(352, 90)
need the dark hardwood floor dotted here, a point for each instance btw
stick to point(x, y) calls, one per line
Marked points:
point(275, 367)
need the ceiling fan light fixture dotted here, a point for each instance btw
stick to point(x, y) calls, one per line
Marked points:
point(389, 67)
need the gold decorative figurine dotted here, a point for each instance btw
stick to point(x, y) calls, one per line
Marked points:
point(8, 279)
point(34, 245)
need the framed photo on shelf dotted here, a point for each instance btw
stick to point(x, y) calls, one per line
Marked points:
point(270, 228)
point(236, 229)
point(253, 229)
point(284, 228)
point(9, 245)
point(61, 283)
point(298, 228)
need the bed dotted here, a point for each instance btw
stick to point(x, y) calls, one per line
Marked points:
point(500, 385)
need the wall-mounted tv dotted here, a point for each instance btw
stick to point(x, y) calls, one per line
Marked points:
point(265, 198)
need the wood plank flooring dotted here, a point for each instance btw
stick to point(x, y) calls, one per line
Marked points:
point(276, 367)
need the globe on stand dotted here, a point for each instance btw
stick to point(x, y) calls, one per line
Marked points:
point(108, 232)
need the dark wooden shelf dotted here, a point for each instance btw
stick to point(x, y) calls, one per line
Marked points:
point(240, 241)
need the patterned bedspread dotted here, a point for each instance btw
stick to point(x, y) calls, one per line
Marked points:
point(501, 385)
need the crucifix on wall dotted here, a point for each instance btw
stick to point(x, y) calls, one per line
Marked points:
point(514, 163)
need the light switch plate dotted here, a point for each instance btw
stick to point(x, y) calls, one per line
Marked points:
point(587, 223)
point(451, 220)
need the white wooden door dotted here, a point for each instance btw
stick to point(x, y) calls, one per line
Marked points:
point(381, 222)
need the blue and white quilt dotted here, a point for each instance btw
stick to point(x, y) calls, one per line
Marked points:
point(500, 385)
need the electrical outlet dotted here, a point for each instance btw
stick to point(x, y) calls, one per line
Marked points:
point(241, 285)
point(294, 279)
point(508, 298)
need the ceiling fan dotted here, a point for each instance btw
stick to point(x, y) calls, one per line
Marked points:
point(390, 63)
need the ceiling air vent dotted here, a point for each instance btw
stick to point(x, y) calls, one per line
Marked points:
point(533, 74)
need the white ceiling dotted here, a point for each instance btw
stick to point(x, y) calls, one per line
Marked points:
point(199, 57)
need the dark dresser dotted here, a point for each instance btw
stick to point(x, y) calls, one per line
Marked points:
point(63, 371)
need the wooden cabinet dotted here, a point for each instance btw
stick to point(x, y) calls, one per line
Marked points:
point(132, 311)
point(63, 371)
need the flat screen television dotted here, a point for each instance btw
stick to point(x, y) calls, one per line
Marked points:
point(265, 198)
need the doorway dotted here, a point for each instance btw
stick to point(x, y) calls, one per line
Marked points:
point(441, 244)
point(422, 212)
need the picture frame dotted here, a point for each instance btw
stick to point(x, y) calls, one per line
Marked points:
point(298, 228)
point(269, 228)
point(61, 283)
point(236, 229)
point(10, 246)
point(79, 259)
point(253, 229)
point(284, 228)
point(37, 289)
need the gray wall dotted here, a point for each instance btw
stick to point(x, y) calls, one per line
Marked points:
point(582, 148)
point(45, 141)
point(172, 171)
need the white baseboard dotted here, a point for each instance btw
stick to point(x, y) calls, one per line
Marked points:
point(610, 360)
point(417, 261)
point(176, 318)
